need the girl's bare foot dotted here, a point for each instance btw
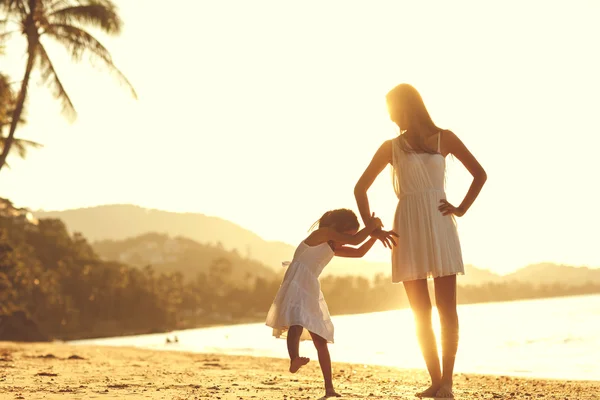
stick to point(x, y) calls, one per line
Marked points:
point(445, 391)
point(431, 391)
point(297, 362)
point(332, 393)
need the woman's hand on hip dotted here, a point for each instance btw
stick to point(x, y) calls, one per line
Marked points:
point(448, 209)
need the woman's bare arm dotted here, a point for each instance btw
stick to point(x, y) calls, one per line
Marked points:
point(453, 145)
point(380, 160)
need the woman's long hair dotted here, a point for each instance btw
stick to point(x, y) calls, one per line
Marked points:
point(404, 100)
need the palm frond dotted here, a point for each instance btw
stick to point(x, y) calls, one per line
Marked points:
point(53, 5)
point(12, 6)
point(102, 15)
point(78, 42)
point(3, 37)
point(21, 146)
point(50, 77)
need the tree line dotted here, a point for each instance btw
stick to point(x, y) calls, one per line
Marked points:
point(61, 284)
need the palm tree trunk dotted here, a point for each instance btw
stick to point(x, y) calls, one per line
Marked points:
point(16, 116)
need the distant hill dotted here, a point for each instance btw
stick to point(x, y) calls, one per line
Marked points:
point(123, 221)
point(126, 223)
point(179, 254)
point(478, 276)
point(548, 273)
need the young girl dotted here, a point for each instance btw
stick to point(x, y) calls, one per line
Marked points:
point(299, 308)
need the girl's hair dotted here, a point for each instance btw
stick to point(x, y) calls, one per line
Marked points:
point(404, 98)
point(341, 220)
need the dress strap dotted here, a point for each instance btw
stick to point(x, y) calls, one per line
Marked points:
point(439, 140)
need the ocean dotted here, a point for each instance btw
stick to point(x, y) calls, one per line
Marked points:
point(546, 338)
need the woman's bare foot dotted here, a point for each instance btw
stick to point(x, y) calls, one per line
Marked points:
point(332, 393)
point(297, 362)
point(445, 391)
point(431, 391)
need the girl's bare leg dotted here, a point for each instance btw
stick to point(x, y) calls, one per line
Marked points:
point(445, 298)
point(325, 363)
point(293, 345)
point(420, 303)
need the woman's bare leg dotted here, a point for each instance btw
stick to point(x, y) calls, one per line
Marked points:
point(325, 363)
point(293, 345)
point(420, 303)
point(445, 299)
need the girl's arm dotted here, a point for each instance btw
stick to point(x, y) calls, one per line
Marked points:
point(353, 252)
point(455, 146)
point(328, 234)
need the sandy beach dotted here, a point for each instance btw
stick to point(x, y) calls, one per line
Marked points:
point(54, 370)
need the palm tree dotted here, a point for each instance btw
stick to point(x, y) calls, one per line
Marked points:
point(7, 102)
point(62, 21)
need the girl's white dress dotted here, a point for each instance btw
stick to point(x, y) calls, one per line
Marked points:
point(428, 246)
point(299, 300)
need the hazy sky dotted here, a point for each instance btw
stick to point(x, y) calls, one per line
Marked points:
point(266, 113)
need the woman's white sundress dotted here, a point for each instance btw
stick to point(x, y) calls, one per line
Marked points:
point(299, 300)
point(428, 244)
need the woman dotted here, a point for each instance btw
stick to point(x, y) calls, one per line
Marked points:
point(428, 244)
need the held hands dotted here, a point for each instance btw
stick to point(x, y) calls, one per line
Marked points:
point(448, 209)
point(386, 237)
point(374, 223)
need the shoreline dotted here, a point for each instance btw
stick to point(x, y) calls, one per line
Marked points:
point(257, 320)
point(60, 370)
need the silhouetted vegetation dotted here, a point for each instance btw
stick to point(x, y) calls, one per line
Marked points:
point(62, 285)
point(96, 223)
point(178, 254)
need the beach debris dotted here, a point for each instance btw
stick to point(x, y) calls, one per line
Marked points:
point(46, 374)
point(75, 357)
point(118, 386)
point(212, 365)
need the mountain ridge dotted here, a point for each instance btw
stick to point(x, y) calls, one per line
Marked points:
point(122, 222)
